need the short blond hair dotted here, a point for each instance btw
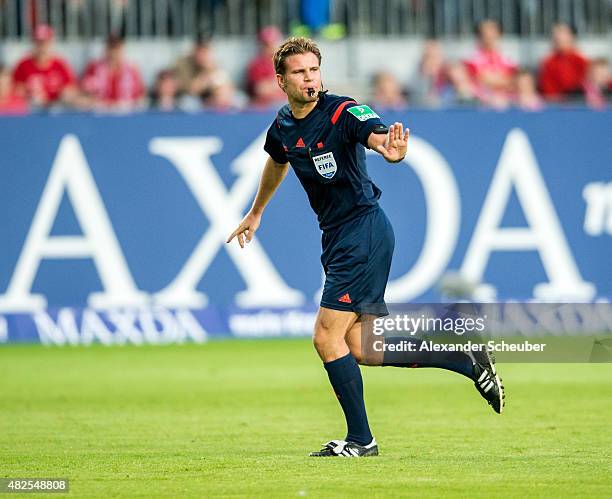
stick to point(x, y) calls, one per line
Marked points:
point(292, 46)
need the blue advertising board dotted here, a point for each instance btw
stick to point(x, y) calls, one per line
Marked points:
point(128, 215)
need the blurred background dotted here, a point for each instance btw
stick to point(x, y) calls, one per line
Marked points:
point(131, 134)
point(194, 54)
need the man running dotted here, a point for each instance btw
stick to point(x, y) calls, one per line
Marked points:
point(323, 137)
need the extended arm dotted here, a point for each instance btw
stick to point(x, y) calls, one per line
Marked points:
point(272, 176)
point(391, 146)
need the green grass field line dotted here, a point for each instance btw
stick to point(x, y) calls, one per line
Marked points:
point(238, 418)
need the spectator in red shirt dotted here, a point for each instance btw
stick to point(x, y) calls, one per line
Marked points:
point(262, 87)
point(10, 101)
point(563, 72)
point(44, 78)
point(111, 82)
point(491, 71)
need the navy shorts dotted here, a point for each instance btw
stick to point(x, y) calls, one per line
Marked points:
point(356, 259)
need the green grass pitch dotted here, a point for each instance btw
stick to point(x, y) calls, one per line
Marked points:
point(238, 418)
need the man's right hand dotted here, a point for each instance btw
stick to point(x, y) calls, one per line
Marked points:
point(246, 229)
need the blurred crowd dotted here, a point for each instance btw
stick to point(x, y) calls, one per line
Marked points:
point(44, 80)
point(489, 78)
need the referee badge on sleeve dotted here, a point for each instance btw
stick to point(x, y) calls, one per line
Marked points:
point(325, 164)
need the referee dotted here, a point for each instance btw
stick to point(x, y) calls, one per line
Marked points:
point(323, 137)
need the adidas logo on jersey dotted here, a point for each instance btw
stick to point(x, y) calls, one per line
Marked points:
point(300, 143)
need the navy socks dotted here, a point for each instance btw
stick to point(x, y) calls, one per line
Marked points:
point(345, 378)
point(458, 362)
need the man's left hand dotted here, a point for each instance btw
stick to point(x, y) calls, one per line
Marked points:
point(396, 143)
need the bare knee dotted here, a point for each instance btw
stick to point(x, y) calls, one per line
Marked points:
point(319, 341)
point(329, 341)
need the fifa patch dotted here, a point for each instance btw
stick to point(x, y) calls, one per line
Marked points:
point(362, 113)
point(325, 164)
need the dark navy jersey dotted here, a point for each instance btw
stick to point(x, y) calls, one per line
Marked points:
point(326, 151)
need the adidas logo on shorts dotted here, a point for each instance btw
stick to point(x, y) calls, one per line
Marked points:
point(345, 298)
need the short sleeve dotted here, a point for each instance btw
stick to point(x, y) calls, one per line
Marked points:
point(358, 122)
point(274, 146)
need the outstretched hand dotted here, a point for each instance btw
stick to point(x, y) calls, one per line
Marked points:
point(394, 148)
point(246, 229)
